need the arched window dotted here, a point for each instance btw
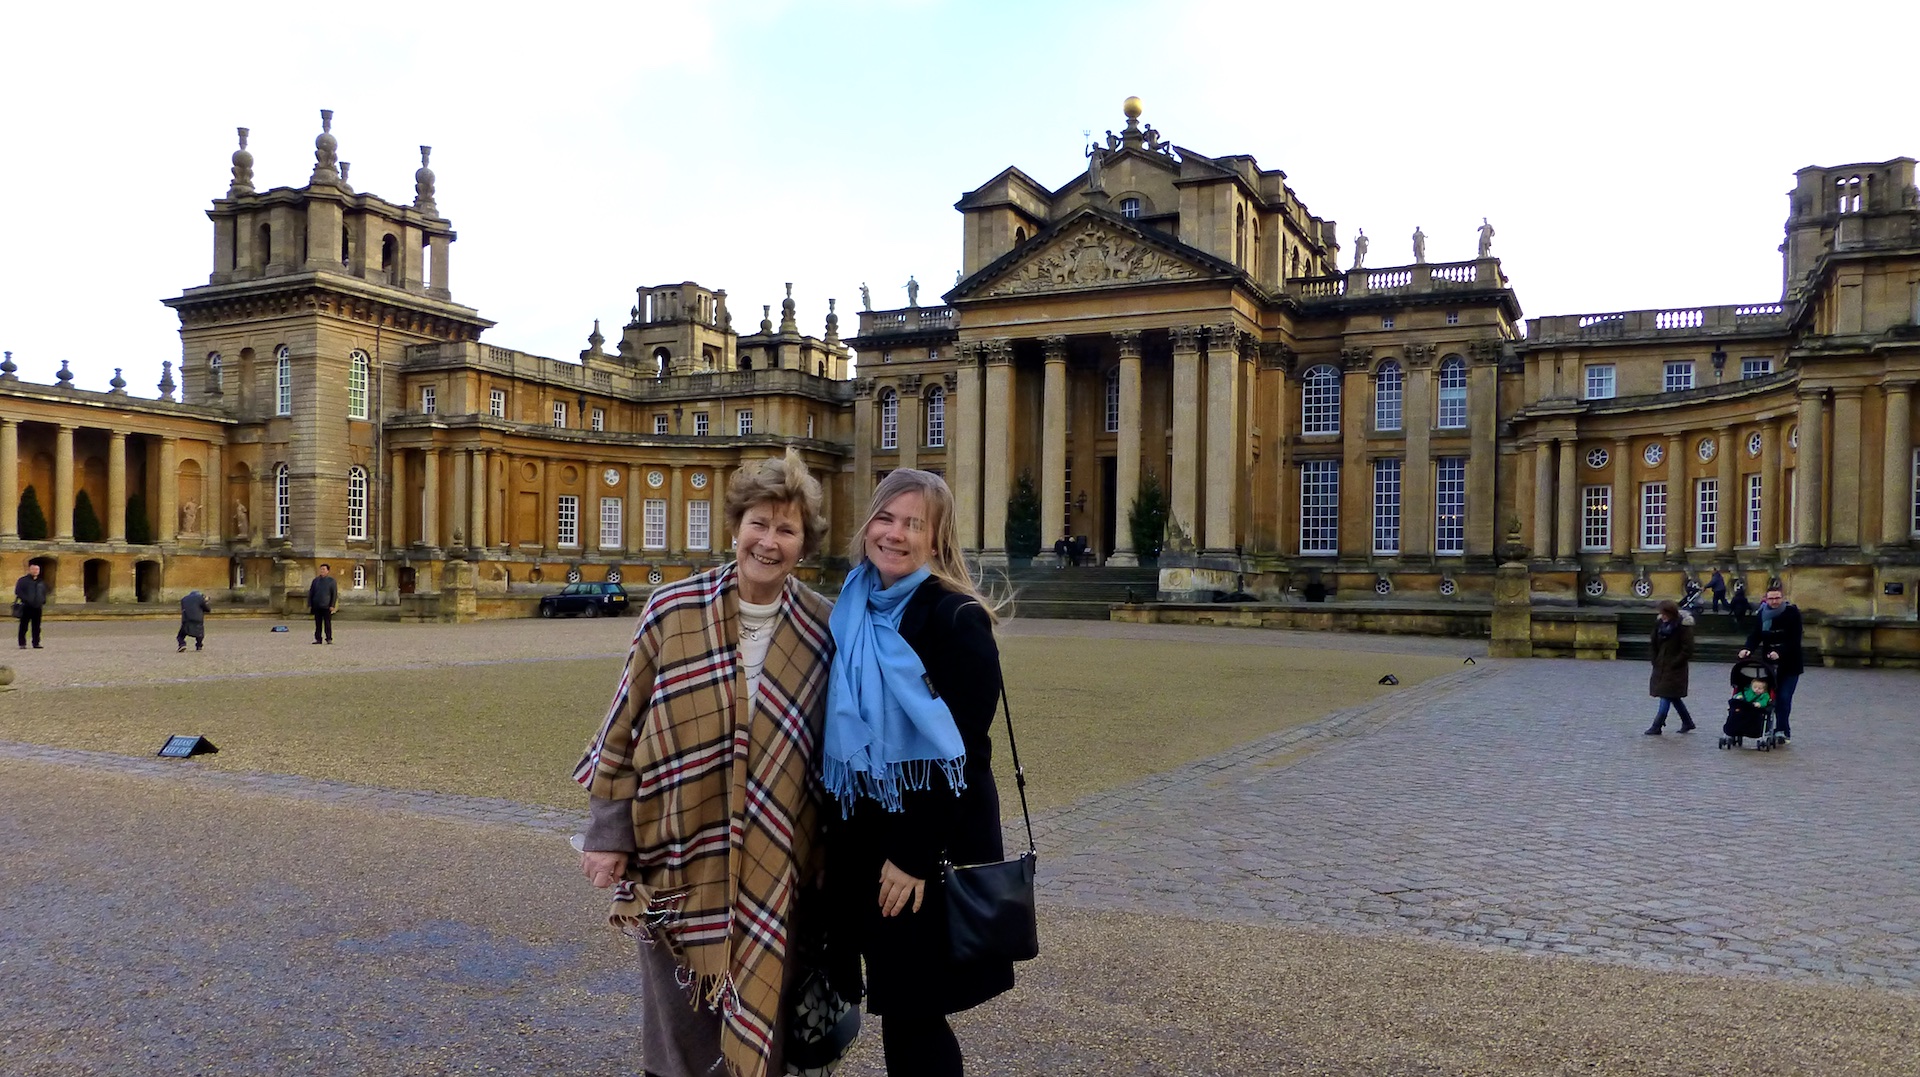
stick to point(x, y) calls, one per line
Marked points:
point(936, 418)
point(266, 245)
point(1019, 236)
point(1130, 208)
point(1240, 235)
point(746, 360)
point(283, 380)
point(889, 419)
point(390, 259)
point(1320, 402)
point(216, 374)
point(357, 385)
point(357, 503)
point(346, 246)
point(1453, 393)
point(1389, 384)
point(662, 359)
point(282, 503)
point(1113, 401)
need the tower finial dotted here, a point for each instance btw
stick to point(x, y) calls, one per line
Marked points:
point(787, 323)
point(833, 323)
point(423, 184)
point(326, 154)
point(242, 168)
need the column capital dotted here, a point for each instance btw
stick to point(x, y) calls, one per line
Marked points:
point(1221, 334)
point(1275, 355)
point(1055, 347)
point(862, 388)
point(968, 351)
point(114, 435)
point(1418, 356)
point(1848, 392)
point(1128, 342)
point(1186, 338)
point(998, 351)
point(1356, 359)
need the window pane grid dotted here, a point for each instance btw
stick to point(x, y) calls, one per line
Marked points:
point(611, 514)
point(357, 504)
point(1596, 520)
point(699, 525)
point(936, 419)
point(1679, 377)
point(283, 381)
point(1453, 394)
point(1320, 507)
point(1450, 505)
point(1753, 508)
point(653, 534)
point(282, 503)
point(1320, 403)
point(1600, 382)
point(559, 413)
point(699, 424)
point(889, 420)
point(1653, 516)
point(1389, 389)
point(1386, 506)
point(427, 400)
point(1113, 401)
point(599, 419)
point(357, 385)
point(745, 419)
point(568, 531)
point(1706, 512)
point(497, 403)
point(1755, 368)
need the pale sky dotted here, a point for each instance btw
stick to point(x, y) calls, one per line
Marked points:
point(1629, 155)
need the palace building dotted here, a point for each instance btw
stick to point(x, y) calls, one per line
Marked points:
point(1166, 318)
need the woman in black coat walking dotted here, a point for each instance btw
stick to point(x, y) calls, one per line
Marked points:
point(915, 684)
point(1672, 650)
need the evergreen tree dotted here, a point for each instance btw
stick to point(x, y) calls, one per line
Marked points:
point(139, 528)
point(86, 522)
point(1147, 518)
point(1023, 518)
point(31, 521)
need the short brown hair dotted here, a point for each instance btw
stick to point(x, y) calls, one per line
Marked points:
point(781, 480)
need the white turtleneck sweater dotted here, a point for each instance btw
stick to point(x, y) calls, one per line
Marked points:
point(756, 632)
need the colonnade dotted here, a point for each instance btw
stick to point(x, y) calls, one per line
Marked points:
point(163, 474)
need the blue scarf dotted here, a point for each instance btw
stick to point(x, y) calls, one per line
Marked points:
point(886, 730)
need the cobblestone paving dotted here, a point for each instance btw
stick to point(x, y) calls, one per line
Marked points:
point(1518, 806)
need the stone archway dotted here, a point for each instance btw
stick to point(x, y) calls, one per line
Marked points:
point(148, 581)
point(49, 572)
point(97, 579)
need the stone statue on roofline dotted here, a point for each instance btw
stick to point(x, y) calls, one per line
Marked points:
point(1419, 246)
point(866, 296)
point(1360, 248)
point(913, 291)
point(1486, 239)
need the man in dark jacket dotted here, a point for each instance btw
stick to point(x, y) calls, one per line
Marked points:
point(1718, 585)
point(1777, 634)
point(193, 620)
point(323, 598)
point(29, 598)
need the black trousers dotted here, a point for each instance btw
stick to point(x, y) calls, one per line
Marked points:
point(322, 623)
point(919, 1045)
point(29, 617)
point(196, 629)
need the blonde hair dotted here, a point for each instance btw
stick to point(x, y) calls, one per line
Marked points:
point(783, 480)
point(944, 559)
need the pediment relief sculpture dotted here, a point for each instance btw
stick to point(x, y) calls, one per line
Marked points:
point(1092, 256)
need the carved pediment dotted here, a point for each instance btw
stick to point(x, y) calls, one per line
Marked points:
point(1093, 254)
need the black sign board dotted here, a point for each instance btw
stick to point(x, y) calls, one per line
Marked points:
point(1896, 588)
point(180, 746)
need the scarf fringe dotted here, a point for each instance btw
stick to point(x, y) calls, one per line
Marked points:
point(848, 781)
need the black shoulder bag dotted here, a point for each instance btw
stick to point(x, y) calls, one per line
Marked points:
point(990, 908)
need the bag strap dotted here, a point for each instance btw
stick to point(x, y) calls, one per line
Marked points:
point(1019, 775)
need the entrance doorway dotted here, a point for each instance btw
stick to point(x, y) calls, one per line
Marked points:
point(1109, 505)
point(95, 579)
point(406, 580)
point(146, 581)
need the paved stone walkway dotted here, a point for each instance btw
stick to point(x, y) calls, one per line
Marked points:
point(1520, 807)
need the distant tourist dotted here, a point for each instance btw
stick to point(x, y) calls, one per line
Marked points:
point(193, 621)
point(1718, 585)
point(1777, 633)
point(1672, 650)
point(29, 598)
point(1739, 605)
point(323, 599)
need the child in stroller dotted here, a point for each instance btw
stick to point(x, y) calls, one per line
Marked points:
point(1750, 709)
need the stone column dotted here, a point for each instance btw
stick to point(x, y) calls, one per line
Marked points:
point(1624, 511)
point(1728, 477)
point(116, 486)
point(863, 433)
point(168, 528)
point(1184, 484)
point(1679, 498)
point(1896, 486)
point(462, 475)
point(1223, 446)
point(676, 515)
point(1483, 417)
point(397, 498)
point(10, 480)
point(963, 449)
point(430, 499)
point(1567, 528)
point(997, 459)
point(1809, 472)
point(477, 507)
point(1773, 493)
point(1416, 474)
point(1846, 467)
point(907, 425)
point(63, 485)
point(1126, 464)
point(1053, 442)
point(213, 490)
point(1543, 471)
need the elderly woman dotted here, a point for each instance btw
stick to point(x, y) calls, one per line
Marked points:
point(704, 817)
point(914, 688)
point(1672, 650)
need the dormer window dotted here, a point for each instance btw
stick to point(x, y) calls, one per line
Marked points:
point(1130, 208)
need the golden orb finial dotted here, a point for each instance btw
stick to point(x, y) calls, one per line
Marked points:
point(1132, 108)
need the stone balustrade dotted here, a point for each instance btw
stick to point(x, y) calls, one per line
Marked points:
point(1726, 320)
point(1424, 277)
point(421, 357)
point(907, 320)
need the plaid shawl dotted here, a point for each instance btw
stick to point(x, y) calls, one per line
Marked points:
point(726, 795)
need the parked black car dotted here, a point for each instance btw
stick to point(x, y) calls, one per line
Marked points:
point(592, 599)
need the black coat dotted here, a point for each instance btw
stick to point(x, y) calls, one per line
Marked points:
point(1671, 653)
point(323, 593)
point(30, 592)
point(908, 969)
point(1783, 640)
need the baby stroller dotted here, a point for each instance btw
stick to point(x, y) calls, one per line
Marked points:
point(1747, 721)
point(1691, 600)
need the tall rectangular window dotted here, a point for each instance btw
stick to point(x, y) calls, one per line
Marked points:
point(283, 382)
point(699, 525)
point(936, 419)
point(1320, 400)
point(1679, 377)
point(1453, 395)
point(1450, 505)
point(428, 401)
point(1113, 401)
point(1753, 507)
point(1706, 512)
point(357, 504)
point(357, 385)
point(1389, 396)
point(599, 419)
point(1752, 367)
point(1596, 519)
point(559, 413)
point(653, 524)
point(1653, 516)
point(745, 418)
point(659, 424)
point(282, 502)
point(1320, 507)
point(1600, 381)
point(1386, 506)
point(612, 512)
point(1915, 490)
point(497, 403)
point(889, 420)
point(359, 577)
point(930, 429)
point(699, 424)
point(568, 531)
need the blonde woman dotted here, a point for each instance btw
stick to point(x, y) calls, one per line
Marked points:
point(915, 683)
point(702, 844)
